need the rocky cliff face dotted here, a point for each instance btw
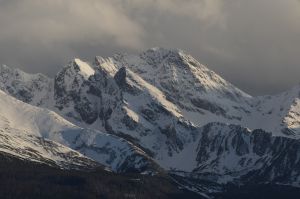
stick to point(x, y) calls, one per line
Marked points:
point(232, 153)
point(34, 89)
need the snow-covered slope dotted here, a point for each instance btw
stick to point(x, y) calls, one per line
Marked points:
point(279, 114)
point(24, 129)
point(29, 147)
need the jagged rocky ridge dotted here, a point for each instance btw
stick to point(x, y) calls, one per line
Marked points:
point(231, 153)
point(172, 108)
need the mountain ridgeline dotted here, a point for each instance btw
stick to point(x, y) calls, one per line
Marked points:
point(159, 112)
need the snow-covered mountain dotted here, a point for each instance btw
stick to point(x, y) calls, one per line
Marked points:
point(41, 135)
point(159, 108)
point(202, 96)
point(191, 86)
point(226, 153)
point(196, 93)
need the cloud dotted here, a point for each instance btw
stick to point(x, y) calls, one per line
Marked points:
point(207, 10)
point(254, 44)
point(68, 21)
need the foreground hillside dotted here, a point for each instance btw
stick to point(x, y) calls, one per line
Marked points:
point(27, 180)
point(22, 179)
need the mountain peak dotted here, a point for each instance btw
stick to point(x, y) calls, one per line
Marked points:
point(106, 64)
point(83, 68)
point(20, 74)
point(163, 51)
point(156, 56)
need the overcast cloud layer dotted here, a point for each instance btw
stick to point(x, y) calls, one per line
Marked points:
point(254, 44)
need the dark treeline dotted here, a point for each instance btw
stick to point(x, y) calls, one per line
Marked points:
point(27, 180)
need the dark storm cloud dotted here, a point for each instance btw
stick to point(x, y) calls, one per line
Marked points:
point(254, 44)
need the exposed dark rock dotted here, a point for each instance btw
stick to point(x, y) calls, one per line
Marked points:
point(87, 110)
point(120, 78)
point(148, 114)
point(172, 138)
point(129, 122)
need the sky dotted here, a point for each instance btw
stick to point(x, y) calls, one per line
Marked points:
point(253, 44)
